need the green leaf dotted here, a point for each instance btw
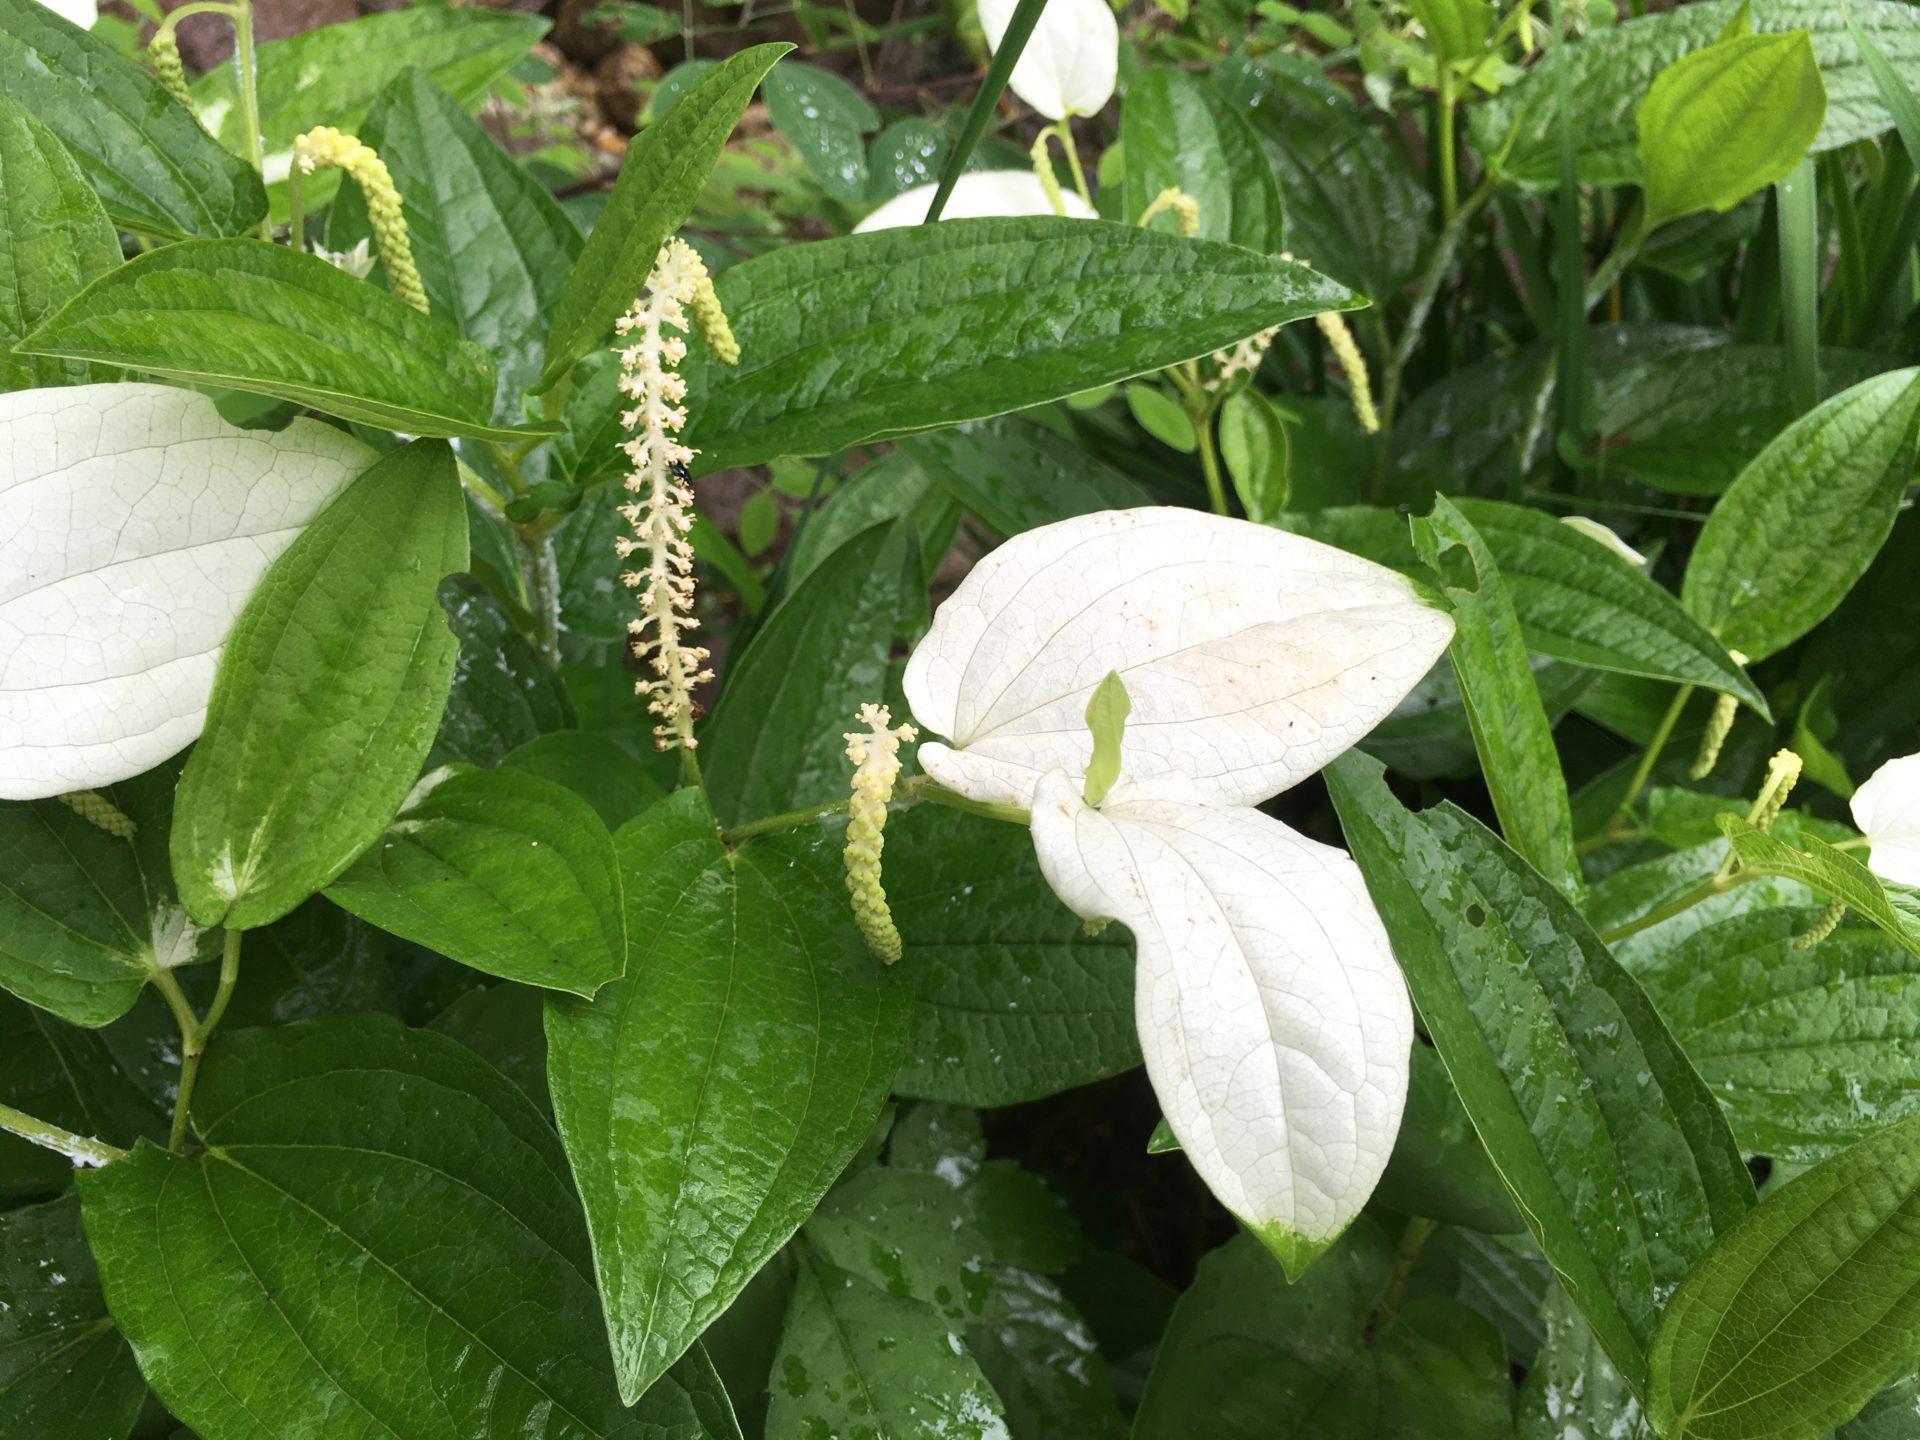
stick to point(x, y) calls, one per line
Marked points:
point(1804, 1310)
point(378, 1240)
point(1014, 1002)
point(1831, 872)
point(1107, 711)
point(156, 170)
point(1578, 602)
point(859, 1364)
point(505, 1026)
point(87, 916)
point(1044, 1362)
point(904, 156)
point(65, 1373)
point(1016, 475)
point(331, 74)
point(1253, 443)
point(860, 339)
point(1439, 1168)
point(1721, 123)
point(1612, 69)
point(54, 238)
point(909, 1233)
point(894, 487)
point(1177, 130)
point(1895, 93)
point(71, 1078)
point(777, 740)
point(1162, 417)
point(666, 167)
point(709, 1099)
point(1807, 1050)
point(327, 696)
point(1613, 1147)
point(266, 319)
point(1805, 519)
point(1504, 709)
point(1888, 1416)
point(1257, 1357)
point(595, 768)
point(504, 695)
point(1456, 29)
point(500, 870)
point(823, 118)
point(1573, 1392)
point(492, 245)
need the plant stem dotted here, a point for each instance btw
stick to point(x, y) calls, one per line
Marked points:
point(1449, 177)
point(194, 1034)
point(690, 769)
point(77, 1148)
point(243, 59)
point(1651, 757)
point(924, 787)
point(1186, 379)
point(296, 210)
point(1708, 888)
point(789, 820)
point(1064, 129)
point(543, 589)
point(1626, 248)
point(1412, 1240)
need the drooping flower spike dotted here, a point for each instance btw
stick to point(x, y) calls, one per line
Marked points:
point(875, 753)
point(324, 146)
point(1273, 1019)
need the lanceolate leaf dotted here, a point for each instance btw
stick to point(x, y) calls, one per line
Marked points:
point(140, 523)
point(666, 167)
point(1015, 474)
point(500, 870)
point(883, 334)
point(155, 168)
point(1179, 130)
point(54, 238)
point(1805, 519)
point(327, 697)
point(263, 318)
point(708, 1100)
point(1614, 1149)
point(1832, 873)
point(378, 1240)
point(1803, 1311)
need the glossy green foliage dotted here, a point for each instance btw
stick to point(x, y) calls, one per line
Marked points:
point(54, 238)
point(379, 1239)
point(1254, 448)
point(1260, 1357)
point(664, 171)
point(72, 1078)
point(1832, 873)
point(708, 1100)
point(65, 1373)
point(1805, 519)
point(1179, 131)
point(155, 169)
point(1612, 1145)
point(824, 117)
point(327, 697)
point(264, 319)
point(873, 336)
point(1803, 1311)
point(1721, 123)
point(500, 870)
point(504, 694)
point(1016, 474)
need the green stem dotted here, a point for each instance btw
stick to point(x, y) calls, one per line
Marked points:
point(296, 210)
point(200, 7)
point(1412, 1240)
point(1626, 248)
point(924, 787)
point(543, 589)
point(487, 495)
point(194, 1034)
point(1449, 176)
point(1708, 888)
point(789, 820)
point(243, 59)
point(77, 1148)
point(690, 769)
point(1186, 379)
point(1662, 733)
point(1064, 129)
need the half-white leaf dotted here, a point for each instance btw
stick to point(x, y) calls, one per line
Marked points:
point(1252, 656)
point(139, 523)
point(1071, 60)
point(1274, 1021)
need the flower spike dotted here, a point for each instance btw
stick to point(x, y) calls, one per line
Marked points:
point(164, 55)
point(100, 812)
point(324, 146)
point(1186, 210)
point(1719, 726)
point(875, 753)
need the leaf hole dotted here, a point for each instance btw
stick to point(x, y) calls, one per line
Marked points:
point(1476, 916)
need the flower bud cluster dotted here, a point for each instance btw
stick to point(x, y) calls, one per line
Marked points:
point(94, 808)
point(875, 753)
point(324, 147)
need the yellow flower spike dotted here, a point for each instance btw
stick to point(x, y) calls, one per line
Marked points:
point(662, 514)
point(1783, 772)
point(164, 55)
point(704, 306)
point(1043, 172)
point(97, 810)
point(1340, 340)
point(1828, 922)
point(875, 753)
point(1186, 210)
point(325, 147)
point(1719, 726)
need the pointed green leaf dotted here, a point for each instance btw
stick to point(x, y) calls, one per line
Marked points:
point(1177, 130)
point(1830, 872)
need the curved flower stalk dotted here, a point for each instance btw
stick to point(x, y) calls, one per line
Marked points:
point(875, 753)
point(981, 194)
point(324, 146)
point(1272, 1017)
point(678, 294)
point(1071, 61)
point(1186, 215)
point(1887, 810)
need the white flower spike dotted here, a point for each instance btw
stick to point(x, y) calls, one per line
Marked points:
point(1887, 810)
point(979, 195)
point(1273, 1019)
point(1252, 656)
point(1072, 59)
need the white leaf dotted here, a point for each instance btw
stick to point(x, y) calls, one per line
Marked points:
point(1072, 58)
point(1887, 810)
point(139, 523)
point(1274, 1021)
point(78, 12)
point(1252, 656)
point(978, 195)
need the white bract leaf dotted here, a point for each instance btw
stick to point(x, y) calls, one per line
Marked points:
point(138, 524)
point(1252, 656)
point(78, 12)
point(1604, 535)
point(979, 195)
point(1887, 810)
point(1072, 58)
point(1274, 1021)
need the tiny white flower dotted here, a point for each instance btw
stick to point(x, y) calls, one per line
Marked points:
point(1887, 810)
point(979, 194)
point(1274, 1022)
point(356, 261)
point(1072, 59)
point(1604, 534)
